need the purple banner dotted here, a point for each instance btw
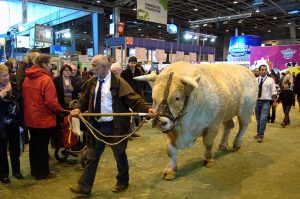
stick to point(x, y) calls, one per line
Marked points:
point(278, 55)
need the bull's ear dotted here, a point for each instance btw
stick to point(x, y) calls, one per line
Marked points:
point(197, 78)
point(189, 81)
point(150, 77)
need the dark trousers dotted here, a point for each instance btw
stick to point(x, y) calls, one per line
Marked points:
point(286, 110)
point(38, 151)
point(13, 141)
point(272, 116)
point(93, 156)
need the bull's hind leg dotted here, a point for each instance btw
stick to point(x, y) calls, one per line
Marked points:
point(208, 141)
point(171, 168)
point(224, 141)
point(243, 125)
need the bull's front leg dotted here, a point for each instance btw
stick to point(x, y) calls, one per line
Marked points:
point(171, 168)
point(208, 141)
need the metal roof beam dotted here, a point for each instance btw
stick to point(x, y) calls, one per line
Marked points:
point(71, 5)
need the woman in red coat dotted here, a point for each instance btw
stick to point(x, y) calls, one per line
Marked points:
point(40, 109)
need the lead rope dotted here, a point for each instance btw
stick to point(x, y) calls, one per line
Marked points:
point(92, 129)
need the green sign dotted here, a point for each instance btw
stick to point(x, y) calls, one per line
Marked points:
point(153, 10)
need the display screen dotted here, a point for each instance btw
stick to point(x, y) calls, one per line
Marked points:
point(22, 42)
point(43, 34)
point(172, 28)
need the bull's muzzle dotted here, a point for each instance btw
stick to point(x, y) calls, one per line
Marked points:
point(162, 123)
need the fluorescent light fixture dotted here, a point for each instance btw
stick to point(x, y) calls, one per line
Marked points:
point(227, 30)
point(195, 37)
point(205, 39)
point(257, 10)
point(204, 24)
point(159, 26)
point(67, 35)
point(275, 17)
point(134, 7)
point(293, 12)
point(98, 1)
point(196, 9)
point(240, 21)
point(212, 39)
point(139, 29)
point(235, 2)
point(289, 23)
point(188, 36)
point(218, 19)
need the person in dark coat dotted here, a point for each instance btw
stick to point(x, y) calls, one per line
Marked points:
point(287, 98)
point(107, 93)
point(297, 88)
point(66, 87)
point(9, 126)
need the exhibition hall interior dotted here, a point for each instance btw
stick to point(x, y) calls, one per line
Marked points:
point(149, 99)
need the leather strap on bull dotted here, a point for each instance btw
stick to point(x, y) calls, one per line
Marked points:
point(164, 109)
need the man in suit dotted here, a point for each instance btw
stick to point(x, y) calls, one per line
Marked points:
point(107, 93)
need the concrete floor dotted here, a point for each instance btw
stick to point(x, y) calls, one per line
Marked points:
point(267, 170)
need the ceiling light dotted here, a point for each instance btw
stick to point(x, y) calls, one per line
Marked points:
point(257, 10)
point(293, 12)
point(212, 39)
point(240, 21)
point(255, 26)
point(98, 1)
point(205, 24)
point(289, 23)
point(190, 21)
point(187, 36)
point(134, 8)
point(67, 35)
point(275, 17)
point(235, 2)
point(227, 30)
point(196, 9)
point(142, 35)
point(159, 26)
point(139, 29)
point(243, 33)
point(269, 30)
point(84, 32)
point(195, 37)
point(205, 39)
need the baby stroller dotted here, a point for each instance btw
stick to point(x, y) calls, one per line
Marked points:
point(71, 141)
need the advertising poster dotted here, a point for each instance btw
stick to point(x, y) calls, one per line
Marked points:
point(193, 57)
point(239, 47)
point(141, 53)
point(153, 10)
point(278, 55)
point(179, 56)
point(160, 55)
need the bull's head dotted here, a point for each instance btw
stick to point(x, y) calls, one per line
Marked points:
point(170, 97)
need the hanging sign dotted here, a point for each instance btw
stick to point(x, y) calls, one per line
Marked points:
point(120, 28)
point(153, 10)
point(129, 40)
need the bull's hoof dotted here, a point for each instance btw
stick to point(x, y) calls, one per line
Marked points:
point(208, 163)
point(235, 148)
point(169, 175)
point(223, 147)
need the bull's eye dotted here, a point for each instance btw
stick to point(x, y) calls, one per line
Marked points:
point(177, 98)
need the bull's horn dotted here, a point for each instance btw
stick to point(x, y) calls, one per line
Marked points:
point(150, 77)
point(190, 81)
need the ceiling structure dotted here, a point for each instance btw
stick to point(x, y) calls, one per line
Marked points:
point(269, 18)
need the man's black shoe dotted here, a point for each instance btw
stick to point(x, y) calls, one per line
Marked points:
point(5, 180)
point(119, 187)
point(79, 190)
point(18, 176)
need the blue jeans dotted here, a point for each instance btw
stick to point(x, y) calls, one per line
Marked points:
point(262, 111)
point(94, 152)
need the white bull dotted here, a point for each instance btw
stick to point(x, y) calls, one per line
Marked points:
point(198, 100)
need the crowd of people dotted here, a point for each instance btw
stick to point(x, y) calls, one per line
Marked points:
point(32, 98)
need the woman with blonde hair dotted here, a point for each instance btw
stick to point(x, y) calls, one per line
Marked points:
point(40, 109)
point(9, 126)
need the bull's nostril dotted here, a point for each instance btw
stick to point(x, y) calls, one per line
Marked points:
point(163, 123)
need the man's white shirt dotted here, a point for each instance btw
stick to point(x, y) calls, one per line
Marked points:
point(268, 88)
point(106, 98)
